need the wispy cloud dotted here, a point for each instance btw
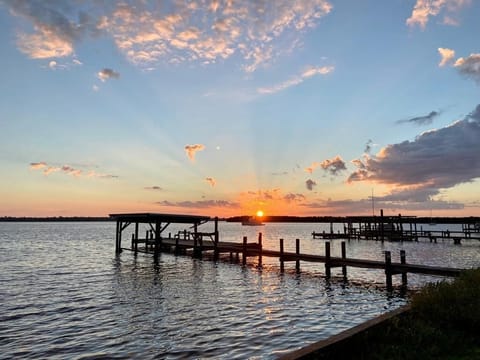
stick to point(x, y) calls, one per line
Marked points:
point(421, 120)
point(153, 188)
point(201, 204)
point(106, 74)
point(296, 80)
point(312, 167)
point(68, 170)
point(211, 181)
point(424, 9)
point(368, 146)
point(191, 150)
point(292, 197)
point(176, 32)
point(436, 159)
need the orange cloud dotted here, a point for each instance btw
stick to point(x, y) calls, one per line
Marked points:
point(68, 170)
point(426, 8)
point(191, 150)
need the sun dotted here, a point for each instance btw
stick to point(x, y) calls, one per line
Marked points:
point(259, 213)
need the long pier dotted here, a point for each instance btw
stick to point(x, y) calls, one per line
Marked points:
point(198, 243)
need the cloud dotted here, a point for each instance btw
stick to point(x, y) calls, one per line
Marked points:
point(38, 165)
point(310, 184)
point(155, 188)
point(334, 166)
point(191, 150)
point(387, 203)
point(202, 204)
point(291, 197)
point(68, 170)
point(296, 80)
point(56, 25)
point(469, 66)
point(211, 181)
point(368, 146)
point(106, 74)
point(447, 56)
point(436, 159)
point(426, 8)
point(421, 120)
point(312, 167)
point(175, 32)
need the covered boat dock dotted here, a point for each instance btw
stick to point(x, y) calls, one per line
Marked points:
point(158, 223)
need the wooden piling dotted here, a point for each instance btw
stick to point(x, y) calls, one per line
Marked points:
point(215, 240)
point(244, 250)
point(260, 249)
point(158, 239)
point(327, 259)
point(344, 256)
point(282, 265)
point(403, 261)
point(177, 248)
point(388, 269)
point(297, 251)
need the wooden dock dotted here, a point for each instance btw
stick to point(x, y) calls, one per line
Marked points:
point(198, 243)
point(396, 228)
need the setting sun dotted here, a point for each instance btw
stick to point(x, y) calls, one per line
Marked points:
point(259, 213)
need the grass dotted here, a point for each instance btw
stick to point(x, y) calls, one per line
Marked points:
point(443, 323)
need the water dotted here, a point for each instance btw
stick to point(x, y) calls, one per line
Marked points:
point(64, 294)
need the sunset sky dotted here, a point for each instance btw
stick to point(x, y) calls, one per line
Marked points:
point(227, 107)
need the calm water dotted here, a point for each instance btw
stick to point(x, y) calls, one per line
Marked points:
point(64, 294)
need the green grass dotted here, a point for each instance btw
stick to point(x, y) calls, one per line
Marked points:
point(443, 323)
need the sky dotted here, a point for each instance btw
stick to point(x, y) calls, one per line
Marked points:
point(223, 108)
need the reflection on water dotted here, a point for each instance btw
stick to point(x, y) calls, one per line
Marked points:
point(64, 294)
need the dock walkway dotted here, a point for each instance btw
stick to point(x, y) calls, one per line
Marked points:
point(198, 243)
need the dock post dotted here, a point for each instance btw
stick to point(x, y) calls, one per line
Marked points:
point(260, 249)
point(215, 240)
point(344, 256)
point(136, 237)
point(158, 240)
point(297, 251)
point(118, 237)
point(282, 265)
point(177, 248)
point(132, 246)
point(382, 228)
point(244, 250)
point(388, 269)
point(327, 259)
point(403, 261)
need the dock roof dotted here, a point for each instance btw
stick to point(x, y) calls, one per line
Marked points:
point(154, 217)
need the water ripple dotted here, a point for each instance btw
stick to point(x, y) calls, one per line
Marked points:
point(65, 295)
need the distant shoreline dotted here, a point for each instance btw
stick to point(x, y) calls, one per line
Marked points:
point(54, 218)
point(267, 219)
